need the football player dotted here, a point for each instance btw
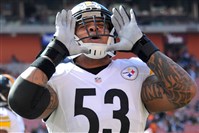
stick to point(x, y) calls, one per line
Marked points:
point(94, 93)
point(10, 122)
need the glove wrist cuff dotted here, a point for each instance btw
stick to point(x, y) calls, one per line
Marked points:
point(56, 51)
point(144, 48)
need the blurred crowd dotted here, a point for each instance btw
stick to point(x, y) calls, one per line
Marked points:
point(179, 121)
point(148, 12)
point(187, 61)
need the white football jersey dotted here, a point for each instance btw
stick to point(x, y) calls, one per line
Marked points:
point(108, 102)
point(10, 121)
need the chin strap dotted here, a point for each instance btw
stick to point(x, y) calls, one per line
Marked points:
point(96, 50)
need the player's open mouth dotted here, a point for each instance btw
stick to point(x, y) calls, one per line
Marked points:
point(95, 37)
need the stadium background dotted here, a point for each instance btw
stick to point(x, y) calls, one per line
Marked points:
point(26, 26)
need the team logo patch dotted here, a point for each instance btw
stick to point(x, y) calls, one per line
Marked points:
point(130, 73)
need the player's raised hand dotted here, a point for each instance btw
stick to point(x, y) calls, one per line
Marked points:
point(126, 28)
point(65, 28)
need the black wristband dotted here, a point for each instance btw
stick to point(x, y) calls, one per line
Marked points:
point(45, 65)
point(144, 48)
point(56, 51)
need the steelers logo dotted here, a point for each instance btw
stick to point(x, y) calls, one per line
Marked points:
point(130, 73)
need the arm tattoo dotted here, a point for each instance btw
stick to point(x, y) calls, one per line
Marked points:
point(53, 99)
point(38, 77)
point(174, 81)
point(151, 89)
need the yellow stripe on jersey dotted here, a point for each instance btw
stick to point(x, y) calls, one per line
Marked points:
point(3, 118)
point(5, 124)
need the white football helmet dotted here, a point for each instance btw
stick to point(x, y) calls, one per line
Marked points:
point(90, 11)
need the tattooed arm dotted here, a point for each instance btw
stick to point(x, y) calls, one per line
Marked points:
point(170, 88)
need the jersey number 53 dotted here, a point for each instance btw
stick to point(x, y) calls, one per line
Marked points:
point(108, 99)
